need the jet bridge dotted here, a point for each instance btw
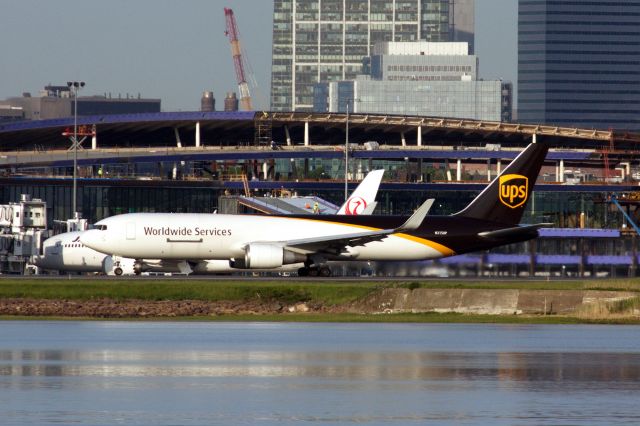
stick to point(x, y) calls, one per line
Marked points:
point(23, 228)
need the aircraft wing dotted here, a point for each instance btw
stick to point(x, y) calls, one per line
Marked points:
point(337, 243)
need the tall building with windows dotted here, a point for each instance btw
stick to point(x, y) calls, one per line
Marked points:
point(462, 22)
point(419, 78)
point(579, 63)
point(325, 40)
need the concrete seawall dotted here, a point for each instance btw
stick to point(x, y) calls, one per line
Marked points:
point(491, 302)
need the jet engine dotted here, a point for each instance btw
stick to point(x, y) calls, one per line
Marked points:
point(138, 267)
point(265, 256)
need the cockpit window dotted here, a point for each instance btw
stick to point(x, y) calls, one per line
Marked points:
point(101, 227)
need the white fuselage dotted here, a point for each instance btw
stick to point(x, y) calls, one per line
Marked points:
point(207, 236)
point(65, 252)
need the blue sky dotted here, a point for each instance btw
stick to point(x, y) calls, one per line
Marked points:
point(174, 50)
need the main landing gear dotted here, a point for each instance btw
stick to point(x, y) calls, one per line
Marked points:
point(314, 271)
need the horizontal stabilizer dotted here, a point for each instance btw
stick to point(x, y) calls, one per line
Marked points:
point(512, 232)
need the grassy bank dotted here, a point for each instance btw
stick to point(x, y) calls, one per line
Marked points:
point(329, 293)
point(287, 290)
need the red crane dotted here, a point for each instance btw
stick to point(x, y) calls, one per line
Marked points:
point(238, 63)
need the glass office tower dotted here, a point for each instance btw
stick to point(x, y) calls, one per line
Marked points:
point(326, 40)
point(579, 63)
point(475, 100)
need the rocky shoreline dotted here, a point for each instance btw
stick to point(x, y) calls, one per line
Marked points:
point(106, 308)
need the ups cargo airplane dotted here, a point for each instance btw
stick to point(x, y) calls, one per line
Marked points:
point(65, 252)
point(258, 242)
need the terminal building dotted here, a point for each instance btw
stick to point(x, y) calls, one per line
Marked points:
point(195, 161)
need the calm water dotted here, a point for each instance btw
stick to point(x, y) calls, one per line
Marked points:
point(159, 373)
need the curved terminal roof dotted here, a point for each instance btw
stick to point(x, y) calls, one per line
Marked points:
point(247, 134)
point(126, 129)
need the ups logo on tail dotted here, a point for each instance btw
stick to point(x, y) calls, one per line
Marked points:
point(513, 190)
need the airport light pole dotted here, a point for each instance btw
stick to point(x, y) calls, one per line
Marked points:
point(346, 157)
point(74, 86)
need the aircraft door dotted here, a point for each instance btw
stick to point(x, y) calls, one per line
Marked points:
point(131, 231)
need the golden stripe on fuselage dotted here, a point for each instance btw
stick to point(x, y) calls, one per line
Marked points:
point(446, 251)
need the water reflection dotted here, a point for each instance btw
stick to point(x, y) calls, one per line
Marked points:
point(151, 374)
point(398, 366)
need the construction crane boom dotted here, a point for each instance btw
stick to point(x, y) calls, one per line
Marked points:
point(238, 63)
point(614, 200)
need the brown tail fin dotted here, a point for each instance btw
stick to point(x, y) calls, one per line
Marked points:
point(505, 198)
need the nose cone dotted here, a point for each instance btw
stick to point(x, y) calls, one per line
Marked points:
point(95, 239)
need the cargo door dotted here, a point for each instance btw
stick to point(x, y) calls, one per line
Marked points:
point(131, 231)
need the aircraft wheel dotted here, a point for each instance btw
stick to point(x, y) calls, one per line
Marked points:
point(313, 272)
point(303, 272)
point(324, 271)
point(118, 271)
